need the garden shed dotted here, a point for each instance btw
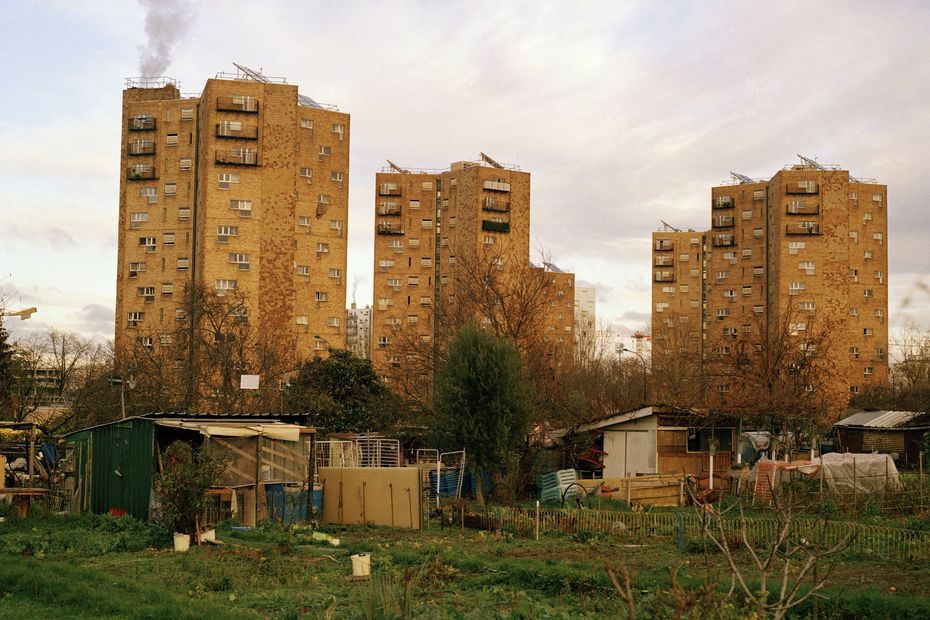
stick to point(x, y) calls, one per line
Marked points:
point(898, 433)
point(665, 440)
point(112, 467)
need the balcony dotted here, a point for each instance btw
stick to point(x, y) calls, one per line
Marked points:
point(495, 226)
point(664, 261)
point(141, 124)
point(664, 276)
point(238, 157)
point(723, 241)
point(803, 209)
point(247, 132)
point(723, 202)
point(237, 104)
point(801, 187)
point(496, 186)
point(389, 189)
point(491, 203)
point(389, 208)
point(810, 229)
point(141, 173)
point(389, 228)
point(138, 148)
point(664, 245)
point(723, 221)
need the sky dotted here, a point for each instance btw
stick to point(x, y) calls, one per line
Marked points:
point(625, 114)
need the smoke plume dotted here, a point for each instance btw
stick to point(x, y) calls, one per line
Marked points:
point(166, 22)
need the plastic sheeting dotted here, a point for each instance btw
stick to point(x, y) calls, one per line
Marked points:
point(862, 473)
point(273, 430)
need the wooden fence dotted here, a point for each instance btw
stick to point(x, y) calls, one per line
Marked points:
point(884, 542)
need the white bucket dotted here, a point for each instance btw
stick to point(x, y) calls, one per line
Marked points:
point(361, 565)
point(182, 542)
point(208, 536)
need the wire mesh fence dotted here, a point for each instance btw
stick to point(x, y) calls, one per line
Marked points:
point(892, 543)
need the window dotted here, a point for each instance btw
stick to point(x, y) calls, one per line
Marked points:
point(854, 312)
point(242, 260)
point(306, 123)
point(854, 235)
point(683, 288)
point(684, 257)
point(758, 194)
point(795, 287)
point(165, 340)
point(425, 261)
point(335, 176)
point(668, 289)
point(244, 207)
point(384, 302)
point(386, 263)
point(661, 306)
point(396, 283)
point(723, 388)
point(866, 217)
point(808, 267)
point(747, 215)
point(729, 294)
point(757, 309)
point(306, 173)
point(135, 318)
point(426, 224)
point(867, 255)
point(426, 186)
point(167, 288)
point(135, 269)
point(854, 195)
point(303, 270)
point(138, 218)
point(880, 353)
point(336, 225)
point(171, 139)
point(489, 240)
point(868, 371)
point(184, 214)
point(453, 220)
point(854, 389)
point(413, 243)
point(339, 128)
point(223, 233)
point(747, 290)
point(148, 243)
point(185, 163)
point(729, 331)
point(879, 313)
point(413, 280)
point(854, 275)
point(149, 192)
point(880, 276)
point(225, 285)
point(722, 313)
point(722, 275)
point(694, 273)
point(868, 293)
point(183, 264)
point(414, 204)
point(325, 150)
point(808, 306)
point(335, 273)
point(730, 256)
point(794, 328)
point(323, 199)
point(878, 237)
point(147, 291)
point(695, 241)
point(877, 198)
point(795, 246)
point(412, 319)
point(226, 179)
point(332, 321)
point(168, 238)
point(867, 331)
point(425, 301)
point(758, 270)
point(757, 233)
point(187, 114)
point(322, 248)
point(171, 189)
point(304, 221)
point(854, 352)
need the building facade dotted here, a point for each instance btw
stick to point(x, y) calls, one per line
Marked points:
point(242, 189)
point(358, 331)
point(445, 242)
point(803, 251)
point(585, 318)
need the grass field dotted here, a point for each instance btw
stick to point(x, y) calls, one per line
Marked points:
point(100, 567)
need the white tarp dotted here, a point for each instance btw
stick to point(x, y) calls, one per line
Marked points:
point(272, 430)
point(863, 473)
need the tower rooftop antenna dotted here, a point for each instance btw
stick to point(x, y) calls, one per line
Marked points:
point(487, 159)
point(397, 168)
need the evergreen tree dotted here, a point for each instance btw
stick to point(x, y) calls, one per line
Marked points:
point(483, 403)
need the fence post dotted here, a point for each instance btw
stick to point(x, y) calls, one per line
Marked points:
point(537, 520)
point(920, 478)
point(628, 493)
point(821, 474)
point(855, 487)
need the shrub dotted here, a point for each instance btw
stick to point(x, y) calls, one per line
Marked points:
point(182, 486)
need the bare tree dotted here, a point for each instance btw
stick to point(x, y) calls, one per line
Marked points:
point(676, 362)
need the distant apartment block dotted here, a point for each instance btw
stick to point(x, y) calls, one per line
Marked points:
point(807, 248)
point(242, 188)
point(358, 331)
point(585, 317)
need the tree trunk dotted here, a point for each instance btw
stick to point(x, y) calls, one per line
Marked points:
point(478, 491)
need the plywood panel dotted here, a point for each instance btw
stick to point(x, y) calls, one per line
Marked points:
point(373, 495)
point(671, 442)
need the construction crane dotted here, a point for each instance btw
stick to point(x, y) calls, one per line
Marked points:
point(22, 314)
point(487, 159)
point(397, 168)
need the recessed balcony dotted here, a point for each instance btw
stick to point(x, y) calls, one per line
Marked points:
point(808, 229)
point(723, 202)
point(491, 203)
point(389, 228)
point(664, 245)
point(802, 208)
point(141, 173)
point(237, 104)
point(141, 123)
point(496, 186)
point(722, 221)
point(237, 131)
point(493, 226)
point(389, 208)
point(664, 276)
point(723, 241)
point(140, 147)
point(238, 157)
point(802, 187)
point(389, 189)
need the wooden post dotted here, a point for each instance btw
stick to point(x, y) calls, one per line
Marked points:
point(855, 487)
point(821, 474)
point(462, 516)
point(258, 471)
point(629, 492)
point(32, 457)
point(537, 520)
point(920, 478)
point(886, 471)
point(681, 493)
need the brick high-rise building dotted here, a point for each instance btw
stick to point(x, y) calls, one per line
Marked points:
point(244, 188)
point(806, 249)
point(435, 229)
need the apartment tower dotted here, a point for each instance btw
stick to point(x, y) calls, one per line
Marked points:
point(430, 226)
point(806, 249)
point(243, 188)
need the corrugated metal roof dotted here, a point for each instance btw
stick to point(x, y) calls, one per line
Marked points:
point(880, 419)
